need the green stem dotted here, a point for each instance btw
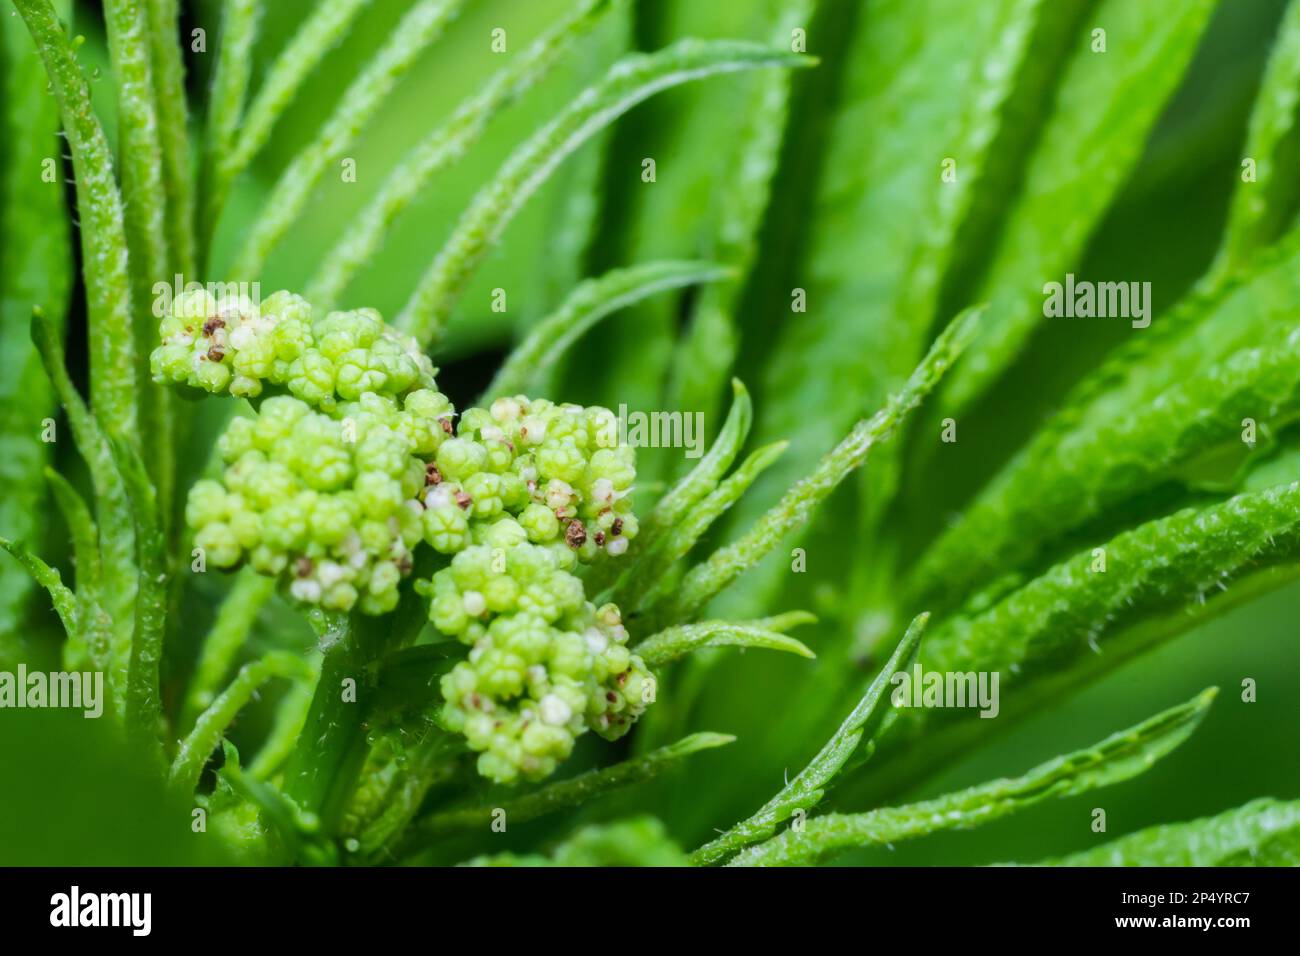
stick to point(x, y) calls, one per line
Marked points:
point(330, 749)
point(144, 200)
point(103, 235)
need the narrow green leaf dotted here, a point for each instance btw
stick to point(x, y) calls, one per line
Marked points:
point(1214, 320)
point(1106, 106)
point(807, 789)
point(676, 642)
point(144, 715)
point(1263, 204)
point(1097, 466)
point(325, 26)
point(574, 791)
point(1261, 833)
point(173, 131)
point(443, 147)
point(1117, 758)
point(144, 202)
point(212, 723)
point(113, 504)
point(419, 28)
point(224, 642)
point(643, 584)
point(1076, 621)
point(230, 81)
point(290, 718)
point(795, 507)
point(706, 355)
point(590, 302)
point(85, 555)
point(35, 270)
point(629, 82)
point(869, 297)
point(704, 477)
point(103, 236)
point(65, 602)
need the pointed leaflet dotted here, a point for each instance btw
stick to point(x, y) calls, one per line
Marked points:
point(1264, 201)
point(173, 121)
point(212, 723)
point(1107, 104)
point(629, 82)
point(1261, 833)
point(676, 642)
point(804, 496)
point(699, 138)
point(587, 305)
point(112, 503)
point(441, 148)
point(230, 81)
point(1076, 621)
point(1049, 481)
point(1117, 758)
point(912, 97)
point(806, 790)
point(327, 23)
point(103, 237)
point(35, 270)
point(421, 26)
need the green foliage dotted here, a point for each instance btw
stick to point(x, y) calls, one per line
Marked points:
point(1262, 833)
point(856, 175)
point(1107, 762)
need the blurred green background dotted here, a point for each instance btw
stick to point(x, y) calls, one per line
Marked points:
point(596, 213)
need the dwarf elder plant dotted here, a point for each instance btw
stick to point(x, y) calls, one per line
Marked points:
point(349, 608)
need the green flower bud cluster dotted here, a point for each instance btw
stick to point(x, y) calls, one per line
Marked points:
point(328, 503)
point(558, 469)
point(332, 487)
point(240, 347)
point(544, 665)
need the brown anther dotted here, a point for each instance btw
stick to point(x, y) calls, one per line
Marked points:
point(463, 500)
point(600, 538)
point(216, 353)
point(621, 679)
point(575, 535)
point(476, 701)
point(213, 323)
point(446, 424)
point(303, 567)
point(611, 696)
point(617, 527)
point(432, 476)
point(404, 563)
